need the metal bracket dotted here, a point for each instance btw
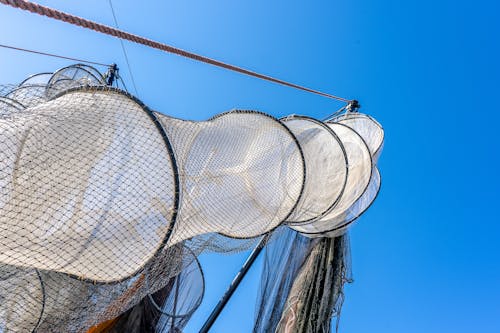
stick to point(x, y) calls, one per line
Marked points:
point(353, 106)
point(111, 74)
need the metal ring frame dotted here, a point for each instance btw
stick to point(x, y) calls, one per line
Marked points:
point(303, 167)
point(335, 136)
point(159, 308)
point(362, 192)
point(170, 151)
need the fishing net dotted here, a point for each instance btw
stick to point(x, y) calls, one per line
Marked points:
point(70, 77)
point(89, 173)
point(344, 221)
point(176, 307)
point(72, 305)
point(241, 174)
point(373, 135)
point(302, 281)
point(27, 95)
point(367, 127)
point(88, 198)
point(283, 257)
point(316, 295)
point(170, 308)
point(21, 295)
point(358, 177)
point(8, 106)
point(323, 151)
point(105, 204)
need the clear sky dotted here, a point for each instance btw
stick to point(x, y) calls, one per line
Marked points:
point(426, 256)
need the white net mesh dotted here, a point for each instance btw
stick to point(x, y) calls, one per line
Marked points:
point(241, 174)
point(326, 168)
point(85, 172)
point(104, 202)
point(21, 299)
point(368, 128)
point(28, 95)
point(358, 177)
point(37, 79)
point(343, 221)
point(8, 106)
point(70, 77)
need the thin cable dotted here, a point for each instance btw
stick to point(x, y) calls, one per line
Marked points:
point(123, 49)
point(123, 82)
point(53, 55)
point(75, 20)
point(336, 113)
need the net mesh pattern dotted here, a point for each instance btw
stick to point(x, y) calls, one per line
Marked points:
point(8, 106)
point(39, 79)
point(21, 299)
point(86, 172)
point(170, 308)
point(323, 151)
point(302, 281)
point(316, 295)
point(359, 174)
point(345, 220)
point(241, 174)
point(368, 128)
point(72, 305)
point(27, 95)
point(70, 77)
point(105, 204)
point(280, 268)
point(185, 295)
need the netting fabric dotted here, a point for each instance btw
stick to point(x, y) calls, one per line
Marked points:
point(302, 281)
point(241, 174)
point(105, 204)
point(367, 127)
point(168, 309)
point(326, 168)
point(85, 172)
point(301, 287)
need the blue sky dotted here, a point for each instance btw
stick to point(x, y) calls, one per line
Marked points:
point(426, 254)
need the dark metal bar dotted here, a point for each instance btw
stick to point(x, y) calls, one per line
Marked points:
point(232, 287)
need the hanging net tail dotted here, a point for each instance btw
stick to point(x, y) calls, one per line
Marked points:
point(308, 292)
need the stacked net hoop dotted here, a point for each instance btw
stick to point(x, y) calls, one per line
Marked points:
point(105, 203)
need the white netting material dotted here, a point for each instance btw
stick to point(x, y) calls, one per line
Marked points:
point(368, 128)
point(344, 221)
point(185, 293)
point(326, 168)
point(86, 172)
point(241, 174)
point(21, 299)
point(8, 106)
point(359, 173)
point(100, 195)
point(28, 95)
point(70, 77)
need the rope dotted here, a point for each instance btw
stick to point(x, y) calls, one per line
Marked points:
point(52, 55)
point(75, 20)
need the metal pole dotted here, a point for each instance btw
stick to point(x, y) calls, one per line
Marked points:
point(232, 287)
